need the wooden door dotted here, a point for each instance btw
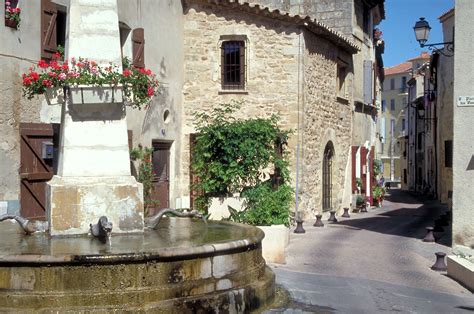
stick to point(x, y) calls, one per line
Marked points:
point(38, 152)
point(161, 179)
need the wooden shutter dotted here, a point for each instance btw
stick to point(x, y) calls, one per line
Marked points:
point(49, 14)
point(138, 46)
point(368, 85)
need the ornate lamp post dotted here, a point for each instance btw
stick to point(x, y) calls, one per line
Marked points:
point(422, 32)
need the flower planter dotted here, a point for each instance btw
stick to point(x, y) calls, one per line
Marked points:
point(275, 242)
point(90, 95)
point(11, 23)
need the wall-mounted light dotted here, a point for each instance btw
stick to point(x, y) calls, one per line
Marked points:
point(422, 32)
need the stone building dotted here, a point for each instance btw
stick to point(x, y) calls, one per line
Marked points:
point(289, 65)
point(357, 20)
point(393, 122)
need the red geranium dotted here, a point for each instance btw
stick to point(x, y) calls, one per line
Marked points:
point(43, 64)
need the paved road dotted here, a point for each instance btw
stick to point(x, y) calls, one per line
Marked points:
point(372, 262)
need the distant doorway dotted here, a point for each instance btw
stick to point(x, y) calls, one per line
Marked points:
point(327, 176)
point(161, 179)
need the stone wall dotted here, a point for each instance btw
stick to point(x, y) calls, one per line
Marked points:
point(325, 119)
point(272, 70)
point(276, 72)
point(20, 49)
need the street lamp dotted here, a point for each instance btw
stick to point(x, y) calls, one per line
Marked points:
point(422, 32)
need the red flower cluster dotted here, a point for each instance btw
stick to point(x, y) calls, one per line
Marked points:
point(140, 85)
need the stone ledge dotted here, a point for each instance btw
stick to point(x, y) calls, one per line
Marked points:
point(461, 270)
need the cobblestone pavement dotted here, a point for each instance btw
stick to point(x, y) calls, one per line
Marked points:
point(373, 262)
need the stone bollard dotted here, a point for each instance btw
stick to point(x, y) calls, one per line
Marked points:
point(429, 237)
point(346, 213)
point(319, 222)
point(299, 227)
point(439, 265)
point(332, 216)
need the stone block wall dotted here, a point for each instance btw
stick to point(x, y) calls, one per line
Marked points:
point(272, 70)
point(326, 118)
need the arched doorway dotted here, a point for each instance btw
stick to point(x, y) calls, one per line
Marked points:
point(327, 176)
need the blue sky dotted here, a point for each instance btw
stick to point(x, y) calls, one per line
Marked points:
point(397, 28)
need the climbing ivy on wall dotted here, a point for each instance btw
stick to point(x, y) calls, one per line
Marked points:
point(230, 156)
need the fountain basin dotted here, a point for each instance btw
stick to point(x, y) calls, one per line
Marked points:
point(183, 266)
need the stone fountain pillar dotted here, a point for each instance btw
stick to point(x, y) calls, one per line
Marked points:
point(94, 178)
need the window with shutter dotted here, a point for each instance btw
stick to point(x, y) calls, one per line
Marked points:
point(368, 82)
point(49, 14)
point(138, 47)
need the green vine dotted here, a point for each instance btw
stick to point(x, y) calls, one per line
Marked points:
point(231, 155)
point(145, 173)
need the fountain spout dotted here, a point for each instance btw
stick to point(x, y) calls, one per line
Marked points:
point(153, 221)
point(102, 229)
point(24, 223)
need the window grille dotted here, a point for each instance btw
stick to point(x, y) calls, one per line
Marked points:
point(233, 65)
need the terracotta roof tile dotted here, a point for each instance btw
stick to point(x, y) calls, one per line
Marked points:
point(399, 68)
point(423, 55)
point(304, 20)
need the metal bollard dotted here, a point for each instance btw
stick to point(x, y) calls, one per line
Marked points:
point(332, 216)
point(299, 227)
point(319, 222)
point(346, 213)
point(439, 265)
point(429, 237)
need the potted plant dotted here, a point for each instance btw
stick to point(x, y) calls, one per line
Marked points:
point(359, 184)
point(88, 83)
point(378, 194)
point(12, 15)
point(359, 202)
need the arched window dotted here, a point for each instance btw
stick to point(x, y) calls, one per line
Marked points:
point(327, 176)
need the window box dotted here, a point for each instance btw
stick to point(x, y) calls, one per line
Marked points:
point(11, 23)
point(88, 95)
point(54, 96)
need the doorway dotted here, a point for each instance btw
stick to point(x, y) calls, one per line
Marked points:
point(161, 178)
point(327, 176)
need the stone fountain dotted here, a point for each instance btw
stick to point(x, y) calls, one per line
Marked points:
point(180, 265)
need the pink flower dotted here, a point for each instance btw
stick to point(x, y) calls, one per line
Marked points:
point(7, 3)
point(62, 76)
point(52, 74)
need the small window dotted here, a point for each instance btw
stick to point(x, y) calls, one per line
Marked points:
point(392, 104)
point(403, 89)
point(384, 105)
point(233, 65)
point(403, 124)
point(366, 19)
point(448, 154)
point(341, 80)
point(392, 126)
point(392, 83)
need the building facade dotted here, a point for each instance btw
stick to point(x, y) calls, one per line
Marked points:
point(292, 66)
point(356, 19)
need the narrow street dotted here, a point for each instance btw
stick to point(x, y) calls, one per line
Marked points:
point(372, 262)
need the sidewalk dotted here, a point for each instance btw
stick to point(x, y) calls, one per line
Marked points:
point(373, 262)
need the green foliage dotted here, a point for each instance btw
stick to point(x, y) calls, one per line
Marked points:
point(359, 182)
point(377, 167)
point(230, 156)
point(145, 173)
point(267, 206)
point(378, 192)
point(359, 200)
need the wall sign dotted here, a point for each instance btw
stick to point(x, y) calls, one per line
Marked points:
point(466, 101)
